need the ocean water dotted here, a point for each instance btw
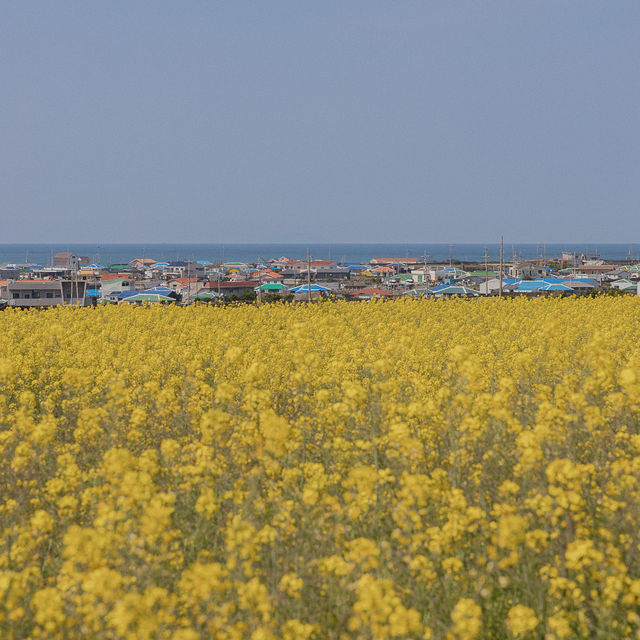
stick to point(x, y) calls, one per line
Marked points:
point(42, 254)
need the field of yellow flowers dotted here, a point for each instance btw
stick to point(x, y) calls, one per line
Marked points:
point(411, 469)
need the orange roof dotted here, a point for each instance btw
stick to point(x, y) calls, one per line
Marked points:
point(372, 292)
point(114, 276)
point(144, 260)
point(184, 280)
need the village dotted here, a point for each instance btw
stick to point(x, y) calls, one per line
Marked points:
point(75, 280)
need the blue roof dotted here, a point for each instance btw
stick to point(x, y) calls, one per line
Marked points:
point(126, 294)
point(93, 292)
point(163, 291)
point(530, 285)
point(303, 288)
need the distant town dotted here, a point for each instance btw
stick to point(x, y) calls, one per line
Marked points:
point(76, 281)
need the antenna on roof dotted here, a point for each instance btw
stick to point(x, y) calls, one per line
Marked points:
point(308, 274)
point(501, 259)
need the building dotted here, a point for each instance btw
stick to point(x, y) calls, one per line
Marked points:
point(141, 263)
point(227, 288)
point(299, 267)
point(371, 292)
point(595, 269)
point(44, 293)
point(9, 273)
point(528, 270)
point(112, 286)
point(185, 286)
point(67, 260)
point(183, 269)
point(394, 261)
point(332, 273)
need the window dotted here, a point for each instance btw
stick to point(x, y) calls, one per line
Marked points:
point(35, 294)
point(16, 295)
point(49, 294)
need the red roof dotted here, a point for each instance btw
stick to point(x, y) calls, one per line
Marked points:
point(230, 285)
point(372, 292)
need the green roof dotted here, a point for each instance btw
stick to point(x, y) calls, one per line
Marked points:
point(205, 295)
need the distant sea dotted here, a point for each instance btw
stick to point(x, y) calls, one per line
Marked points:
point(42, 254)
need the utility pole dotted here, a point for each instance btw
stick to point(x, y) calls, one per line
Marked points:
point(308, 274)
point(501, 259)
point(424, 277)
point(188, 277)
point(486, 271)
point(259, 281)
point(450, 254)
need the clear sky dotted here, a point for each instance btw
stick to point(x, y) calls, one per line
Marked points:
point(416, 121)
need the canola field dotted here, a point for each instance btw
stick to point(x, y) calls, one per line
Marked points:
point(410, 469)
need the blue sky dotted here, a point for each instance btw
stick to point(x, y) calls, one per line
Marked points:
point(325, 121)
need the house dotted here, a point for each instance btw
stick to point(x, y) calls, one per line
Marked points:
point(595, 269)
point(185, 286)
point(304, 292)
point(298, 267)
point(280, 263)
point(528, 270)
point(332, 273)
point(141, 263)
point(453, 290)
point(621, 284)
point(273, 288)
point(356, 269)
point(493, 285)
point(113, 285)
point(371, 292)
point(229, 288)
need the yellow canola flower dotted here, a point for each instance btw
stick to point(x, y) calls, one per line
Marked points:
point(467, 620)
point(521, 620)
point(407, 469)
